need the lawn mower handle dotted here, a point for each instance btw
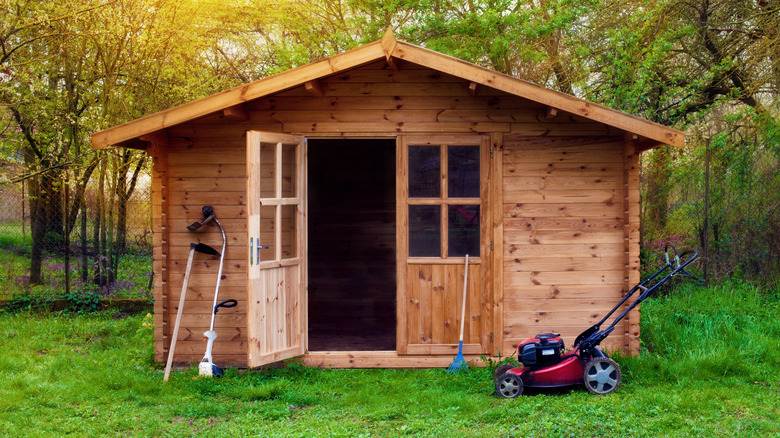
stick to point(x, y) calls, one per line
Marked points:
point(592, 337)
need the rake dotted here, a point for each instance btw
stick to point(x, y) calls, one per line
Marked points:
point(459, 364)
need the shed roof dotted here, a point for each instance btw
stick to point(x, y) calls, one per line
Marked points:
point(390, 49)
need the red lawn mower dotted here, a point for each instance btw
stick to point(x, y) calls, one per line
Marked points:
point(546, 365)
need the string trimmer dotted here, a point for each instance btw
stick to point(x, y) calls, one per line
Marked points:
point(206, 366)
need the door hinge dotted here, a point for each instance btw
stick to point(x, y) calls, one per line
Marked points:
point(491, 245)
point(491, 152)
point(492, 339)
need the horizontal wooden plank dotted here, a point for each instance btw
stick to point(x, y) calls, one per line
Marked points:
point(554, 237)
point(575, 210)
point(565, 223)
point(586, 317)
point(204, 320)
point(606, 196)
point(194, 212)
point(571, 249)
point(202, 184)
point(600, 158)
point(203, 294)
point(405, 75)
point(561, 129)
point(214, 199)
point(556, 263)
point(178, 226)
point(229, 133)
point(224, 334)
point(393, 127)
point(207, 279)
point(367, 89)
point(186, 350)
point(564, 292)
point(563, 169)
point(585, 305)
point(568, 182)
point(215, 157)
point(207, 170)
point(515, 142)
point(382, 359)
point(514, 279)
point(443, 349)
point(399, 102)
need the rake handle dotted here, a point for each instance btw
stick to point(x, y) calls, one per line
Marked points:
point(463, 307)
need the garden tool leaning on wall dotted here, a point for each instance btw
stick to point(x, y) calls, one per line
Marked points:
point(206, 366)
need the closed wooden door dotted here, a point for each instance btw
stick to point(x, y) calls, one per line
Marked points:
point(442, 215)
point(275, 257)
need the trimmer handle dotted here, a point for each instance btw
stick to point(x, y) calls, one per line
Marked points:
point(227, 303)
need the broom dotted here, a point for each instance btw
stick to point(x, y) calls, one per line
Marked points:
point(459, 364)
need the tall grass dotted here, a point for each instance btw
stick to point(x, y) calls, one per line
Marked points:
point(729, 332)
point(709, 368)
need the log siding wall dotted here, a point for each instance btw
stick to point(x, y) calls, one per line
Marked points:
point(564, 263)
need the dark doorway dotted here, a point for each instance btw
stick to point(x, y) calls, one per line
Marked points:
point(351, 238)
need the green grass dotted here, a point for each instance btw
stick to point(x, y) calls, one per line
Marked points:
point(710, 368)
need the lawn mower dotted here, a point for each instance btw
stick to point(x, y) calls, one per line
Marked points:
point(546, 365)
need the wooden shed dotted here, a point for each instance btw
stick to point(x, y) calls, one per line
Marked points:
point(370, 175)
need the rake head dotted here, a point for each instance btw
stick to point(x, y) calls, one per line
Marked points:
point(459, 364)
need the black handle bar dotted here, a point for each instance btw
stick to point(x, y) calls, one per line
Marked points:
point(227, 303)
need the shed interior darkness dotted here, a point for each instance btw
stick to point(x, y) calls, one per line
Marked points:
point(351, 245)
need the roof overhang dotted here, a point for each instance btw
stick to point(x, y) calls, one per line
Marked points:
point(650, 134)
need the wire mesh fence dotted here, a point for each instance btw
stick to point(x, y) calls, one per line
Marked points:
point(721, 197)
point(97, 254)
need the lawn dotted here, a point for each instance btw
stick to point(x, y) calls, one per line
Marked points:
point(710, 367)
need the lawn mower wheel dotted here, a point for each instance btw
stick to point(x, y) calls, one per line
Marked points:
point(509, 385)
point(601, 376)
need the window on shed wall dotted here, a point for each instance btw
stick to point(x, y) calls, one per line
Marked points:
point(444, 202)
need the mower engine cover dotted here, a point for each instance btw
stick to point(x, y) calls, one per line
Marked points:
point(544, 349)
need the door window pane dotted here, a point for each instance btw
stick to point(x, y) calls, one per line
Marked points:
point(268, 170)
point(463, 224)
point(267, 234)
point(463, 171)
point(288, 170)
point(424, 172)
point(289, 241)
point(424, 231)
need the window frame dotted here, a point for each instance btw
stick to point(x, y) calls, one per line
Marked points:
point(444, 201)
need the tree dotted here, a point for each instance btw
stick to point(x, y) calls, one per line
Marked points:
point(72, 68)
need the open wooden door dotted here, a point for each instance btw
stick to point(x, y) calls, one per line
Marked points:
point(275, 233)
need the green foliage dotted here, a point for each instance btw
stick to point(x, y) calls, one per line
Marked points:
point(28, 303)
point(83, 302)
